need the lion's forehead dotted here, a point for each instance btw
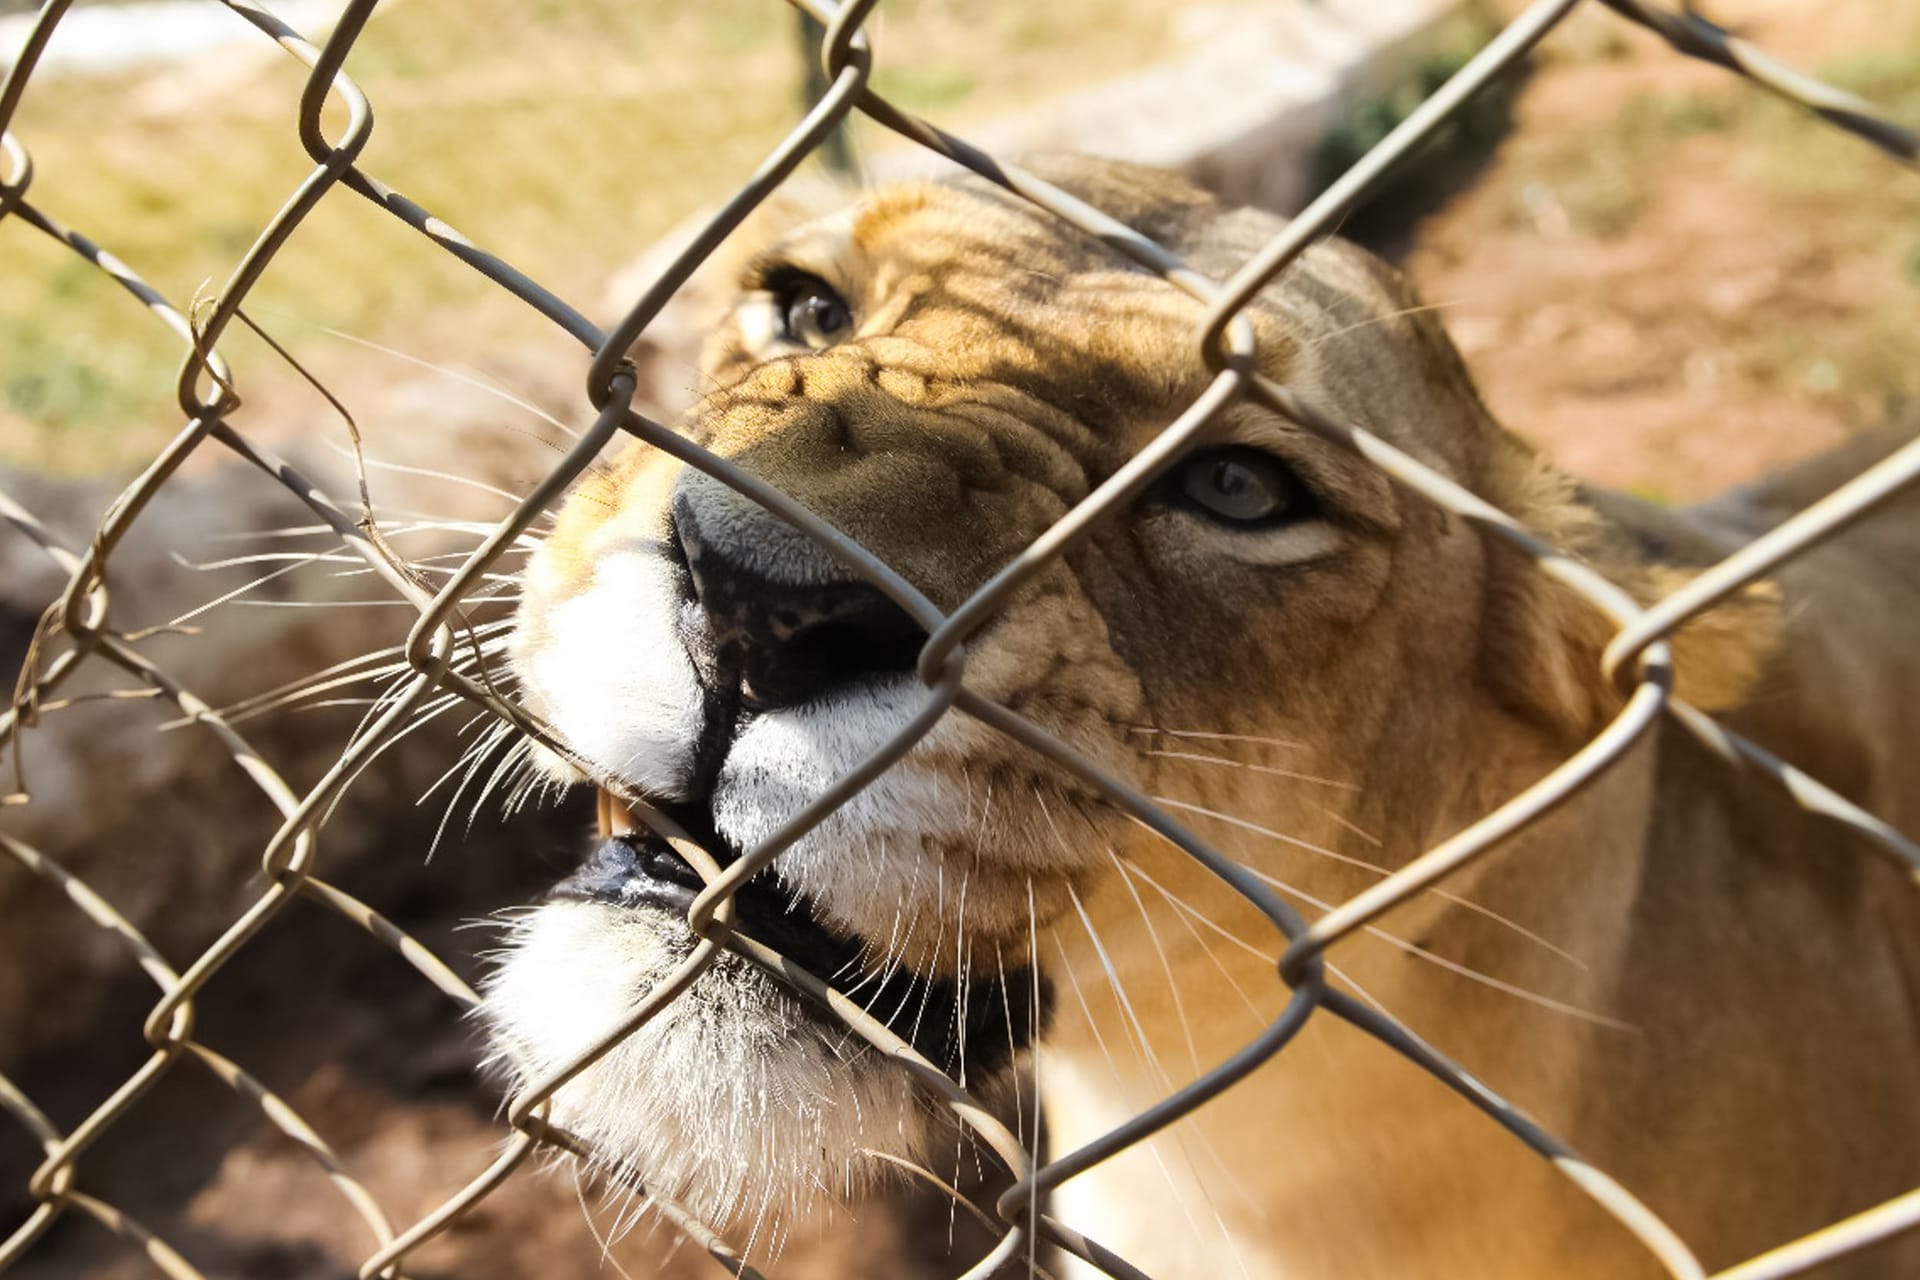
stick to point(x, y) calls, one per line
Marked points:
point(953, 288)
point(1002, 363)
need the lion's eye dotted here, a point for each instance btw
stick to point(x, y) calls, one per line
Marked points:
point(812, 314)
point(1240, 486)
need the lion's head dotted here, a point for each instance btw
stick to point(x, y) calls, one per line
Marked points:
point(941, 371)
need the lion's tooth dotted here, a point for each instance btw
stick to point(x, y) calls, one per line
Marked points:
point(615, 818)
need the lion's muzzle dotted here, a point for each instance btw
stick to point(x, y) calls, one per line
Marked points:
point(771, 618)
point(975, 1035)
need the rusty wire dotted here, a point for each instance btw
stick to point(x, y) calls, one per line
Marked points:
point(1637, 659)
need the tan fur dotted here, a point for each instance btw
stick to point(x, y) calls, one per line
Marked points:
point(1748, 1055)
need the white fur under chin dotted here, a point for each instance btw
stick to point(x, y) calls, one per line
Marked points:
point(732, 1101)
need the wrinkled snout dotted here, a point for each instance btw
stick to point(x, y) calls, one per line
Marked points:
point(771, 614)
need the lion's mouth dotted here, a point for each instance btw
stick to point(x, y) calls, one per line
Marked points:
point(968, 1027)
point(633, 866)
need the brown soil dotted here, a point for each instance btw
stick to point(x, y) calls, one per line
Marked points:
point(1672, 281)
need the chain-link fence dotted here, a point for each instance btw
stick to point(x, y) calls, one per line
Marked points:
point(335, 124)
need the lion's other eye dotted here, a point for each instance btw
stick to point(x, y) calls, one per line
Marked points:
point(1240, 486)
point(812, 314)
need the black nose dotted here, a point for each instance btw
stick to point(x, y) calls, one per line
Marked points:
point(775, 612)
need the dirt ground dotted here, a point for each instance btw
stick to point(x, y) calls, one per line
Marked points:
point(1674, 282)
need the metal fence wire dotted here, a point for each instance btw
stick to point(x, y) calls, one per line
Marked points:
point(82, 623)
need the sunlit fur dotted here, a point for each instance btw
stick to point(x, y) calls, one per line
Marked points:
point(1707, 992)
point(707, 1103)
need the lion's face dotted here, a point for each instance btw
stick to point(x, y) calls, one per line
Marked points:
point(942, 373)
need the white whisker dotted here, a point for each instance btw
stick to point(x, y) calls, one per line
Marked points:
point(1454, 966)
point(1033, 1038)
point(1151, 1148)
point(1348, 826)
point(1204, 736)
point(266, 557)
point(424, 717)
point(1166, 966)
point(1275, 770)
point(397, 524)
point(461, 376)
point(1445, 895)
point(1184, 1130)
point(1187, 914)
point(401, 468)
point(236, 593)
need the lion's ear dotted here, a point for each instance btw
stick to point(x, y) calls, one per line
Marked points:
point(1718, 657)
point(1543, 641)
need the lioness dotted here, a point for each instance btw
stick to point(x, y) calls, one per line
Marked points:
point(1700, 987)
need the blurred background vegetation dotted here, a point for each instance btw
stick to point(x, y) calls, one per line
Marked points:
point(568, 136)
point(564, 135)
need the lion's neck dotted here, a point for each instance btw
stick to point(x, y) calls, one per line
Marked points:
point(1635, 921)
point(1162, 975)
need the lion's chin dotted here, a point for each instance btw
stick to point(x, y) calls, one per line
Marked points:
point(741, 1101)
point(737, 1101)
